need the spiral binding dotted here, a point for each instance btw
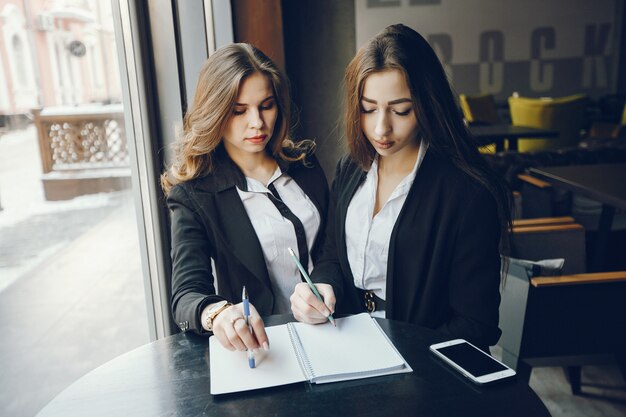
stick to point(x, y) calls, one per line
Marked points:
point(303, 359)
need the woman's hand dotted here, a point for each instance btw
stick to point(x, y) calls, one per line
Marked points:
point(232, 332)
point(307, 308)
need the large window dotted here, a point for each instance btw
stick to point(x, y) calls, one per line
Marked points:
point(72, 293)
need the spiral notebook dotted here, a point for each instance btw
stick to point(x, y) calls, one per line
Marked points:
point(356, 348)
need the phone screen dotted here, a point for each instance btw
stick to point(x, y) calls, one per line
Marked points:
point(471, 359)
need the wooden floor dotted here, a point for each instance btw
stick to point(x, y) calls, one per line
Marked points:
point(79, 303)
point(603, 387)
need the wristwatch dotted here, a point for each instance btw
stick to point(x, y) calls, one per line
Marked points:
point(214, 310)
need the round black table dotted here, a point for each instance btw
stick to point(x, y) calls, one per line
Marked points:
point(170, 377)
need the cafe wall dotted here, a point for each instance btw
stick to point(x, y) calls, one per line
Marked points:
point(319, 43)
point(535, 47)
point(576, 49)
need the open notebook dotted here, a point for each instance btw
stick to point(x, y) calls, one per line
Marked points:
point(356, 348)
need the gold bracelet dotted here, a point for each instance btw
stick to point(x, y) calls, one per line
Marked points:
point(214, 310)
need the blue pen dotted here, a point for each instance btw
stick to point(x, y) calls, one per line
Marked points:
point(246, 315)
point(331, 319)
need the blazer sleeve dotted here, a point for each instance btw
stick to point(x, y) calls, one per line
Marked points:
point(193, 285)
point(474, 294)
point(328, 269)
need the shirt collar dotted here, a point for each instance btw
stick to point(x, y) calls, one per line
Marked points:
point(256, 186)
point(226, 174)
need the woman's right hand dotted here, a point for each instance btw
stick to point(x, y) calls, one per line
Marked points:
point(307, 308)
point(232, 332)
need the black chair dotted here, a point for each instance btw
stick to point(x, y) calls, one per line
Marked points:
point(570, 320)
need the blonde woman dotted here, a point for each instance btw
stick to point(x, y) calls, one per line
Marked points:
point(240, 192)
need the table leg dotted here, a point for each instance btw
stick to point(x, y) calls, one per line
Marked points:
point(602, 240)
point(574, 376)
point(512, 144)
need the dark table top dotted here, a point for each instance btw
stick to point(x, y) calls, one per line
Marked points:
point(603, 182)
point(487, 134)
point(170, 377)
point(506, 131)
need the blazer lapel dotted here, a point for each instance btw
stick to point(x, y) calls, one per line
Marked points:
point(234, 224)
point(341, 211)
point(240, 235)
point(410, 221)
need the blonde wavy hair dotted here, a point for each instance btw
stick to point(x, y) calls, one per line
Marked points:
point(203, 126)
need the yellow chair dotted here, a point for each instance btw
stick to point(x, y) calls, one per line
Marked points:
point(565, 114)
point(480, 109)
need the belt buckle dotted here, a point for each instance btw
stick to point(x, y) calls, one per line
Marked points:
point(370, 303)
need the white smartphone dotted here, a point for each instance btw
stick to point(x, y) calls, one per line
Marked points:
point(472, 362)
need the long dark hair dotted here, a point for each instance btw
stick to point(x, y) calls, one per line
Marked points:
point(439, 119)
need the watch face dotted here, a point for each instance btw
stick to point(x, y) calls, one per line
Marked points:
point(214, 311)
point(217, 306)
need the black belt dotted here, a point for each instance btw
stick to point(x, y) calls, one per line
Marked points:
point(371, 301)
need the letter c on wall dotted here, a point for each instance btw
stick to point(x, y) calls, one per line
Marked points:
point(541, 75)
point(491, 69)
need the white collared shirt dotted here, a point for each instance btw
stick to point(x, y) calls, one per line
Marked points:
point(276, 233)
point(368, 236)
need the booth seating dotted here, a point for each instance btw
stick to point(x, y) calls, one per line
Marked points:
point(612, 128)
point(540, 199)
point(549, 238)
point(565, 114)
point(568, 320)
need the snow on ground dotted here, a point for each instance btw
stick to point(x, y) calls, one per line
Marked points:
point(31, 228)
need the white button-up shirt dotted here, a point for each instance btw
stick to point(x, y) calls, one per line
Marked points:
point(368, 236)
point(276, 233)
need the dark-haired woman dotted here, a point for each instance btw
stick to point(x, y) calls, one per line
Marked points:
point(416, 217)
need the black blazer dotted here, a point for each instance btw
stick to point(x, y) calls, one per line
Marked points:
point(209, 222)
point(443, 270)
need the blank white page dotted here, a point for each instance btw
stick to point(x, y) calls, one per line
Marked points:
point(230, 371)
point(356, 348)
